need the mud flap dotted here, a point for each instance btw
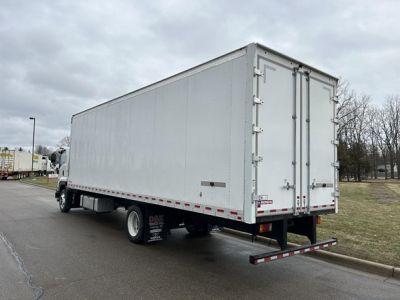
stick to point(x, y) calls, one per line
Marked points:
point(155, 224)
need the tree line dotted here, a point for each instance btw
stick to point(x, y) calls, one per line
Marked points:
point(368, 134)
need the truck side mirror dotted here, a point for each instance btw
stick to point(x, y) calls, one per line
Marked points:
point(53, 158)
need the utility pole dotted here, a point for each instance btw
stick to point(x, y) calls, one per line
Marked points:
point(33, 138)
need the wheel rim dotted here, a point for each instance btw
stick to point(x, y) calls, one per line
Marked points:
point(62, 200)
point(133, 223)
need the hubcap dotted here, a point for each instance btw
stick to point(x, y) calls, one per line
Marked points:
point(133, 223)
point(62, 200)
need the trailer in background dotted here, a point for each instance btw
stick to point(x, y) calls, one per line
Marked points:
point(19, 163)
point(245, 141)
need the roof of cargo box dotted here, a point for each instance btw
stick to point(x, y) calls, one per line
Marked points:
point(224, 57)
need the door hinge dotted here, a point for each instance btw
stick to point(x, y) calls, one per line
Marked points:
point(335, 142)
point(257, 100)
point(335, 194)
point(335, 121)
point(335, 99)
point(257, 129)
point(257, 159)
point(335, 164)
point(258, 72)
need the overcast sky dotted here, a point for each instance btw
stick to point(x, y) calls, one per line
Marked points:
point(60, 57)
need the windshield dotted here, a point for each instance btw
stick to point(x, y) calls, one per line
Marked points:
point(63, 158)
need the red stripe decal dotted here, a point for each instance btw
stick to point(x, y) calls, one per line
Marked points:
point(273, 210)
point(208, 208)
point(284, 209)
point(187, 204)
point(197, 206)
point(220, 210)
point(234, 213)
point(169, 201)
point(177, 203)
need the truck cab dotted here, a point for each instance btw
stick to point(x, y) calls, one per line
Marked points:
point(60, 159)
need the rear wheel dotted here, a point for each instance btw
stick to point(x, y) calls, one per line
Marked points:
point(135, 224)
point(64, 202)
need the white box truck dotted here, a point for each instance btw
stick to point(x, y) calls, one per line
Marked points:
point(245, 141)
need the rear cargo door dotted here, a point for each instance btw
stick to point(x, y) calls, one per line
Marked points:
point(319, 143)
point(294, 144)
point(275, 138)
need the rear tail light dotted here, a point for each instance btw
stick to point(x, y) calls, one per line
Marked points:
point(265, 228)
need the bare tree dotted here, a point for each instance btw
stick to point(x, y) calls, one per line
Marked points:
point(42, 150)
point(64, 142)
point(374, 137)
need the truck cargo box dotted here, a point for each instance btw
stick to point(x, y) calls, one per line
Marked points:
point(248, 136)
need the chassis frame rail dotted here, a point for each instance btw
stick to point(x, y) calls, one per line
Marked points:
point(275, 255)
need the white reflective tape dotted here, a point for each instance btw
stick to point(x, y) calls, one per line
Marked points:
point(326, 245)
point(316, 247)
point(296, 252)
point(307, 250)
point(274, 257)
point(285, 255)
point(334, 243)
point(260, 260)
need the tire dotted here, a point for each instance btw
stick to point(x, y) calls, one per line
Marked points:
point(64, 201)
point(135, 224)
point(197, 229)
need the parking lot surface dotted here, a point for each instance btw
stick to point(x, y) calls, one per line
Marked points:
point(45, 254)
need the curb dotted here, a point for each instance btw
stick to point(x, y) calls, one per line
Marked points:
point(339, 259)
point(38, 185)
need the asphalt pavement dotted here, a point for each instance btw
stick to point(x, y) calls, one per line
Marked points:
point(45, 254)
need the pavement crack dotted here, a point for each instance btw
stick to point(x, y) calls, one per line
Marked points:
point(37, 290)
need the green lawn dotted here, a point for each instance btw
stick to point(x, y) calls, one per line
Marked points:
point(42, 180)
point(368, 223)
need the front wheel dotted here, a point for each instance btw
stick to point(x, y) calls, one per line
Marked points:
point(64, 202)
point(135, 224)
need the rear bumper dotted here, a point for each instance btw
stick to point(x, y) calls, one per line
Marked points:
point(275, 255)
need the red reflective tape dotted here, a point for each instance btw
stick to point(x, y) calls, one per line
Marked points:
point(208, 208)
point(177, 203)
point(260, 211)
point(273, 210)
point(197, 206)
point(169, 201)
point(315, 206)
point(220, 210)
point(239, 218)
point(284, 209)
point(187, 204)
point(234, 213)
point(161, 200)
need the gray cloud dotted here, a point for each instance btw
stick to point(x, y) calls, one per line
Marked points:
point(58, 57)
